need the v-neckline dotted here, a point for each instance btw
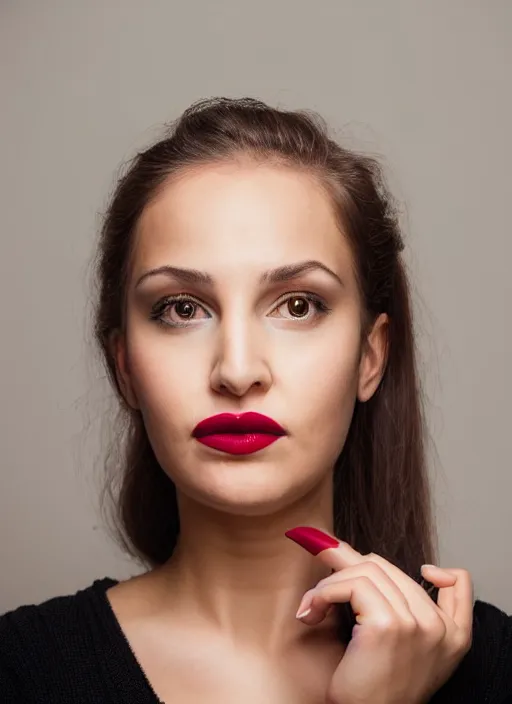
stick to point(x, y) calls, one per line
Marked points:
point(120, 654)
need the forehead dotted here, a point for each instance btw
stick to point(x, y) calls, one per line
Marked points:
point(231, 215)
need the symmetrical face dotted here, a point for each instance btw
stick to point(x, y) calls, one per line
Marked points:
point(271, 324)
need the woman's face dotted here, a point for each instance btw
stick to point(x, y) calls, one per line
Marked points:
point(240, 339)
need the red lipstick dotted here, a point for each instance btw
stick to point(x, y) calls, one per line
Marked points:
point(238, 434)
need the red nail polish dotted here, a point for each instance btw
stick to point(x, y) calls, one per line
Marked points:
point(312, 539)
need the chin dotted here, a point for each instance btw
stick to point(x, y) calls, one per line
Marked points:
point(242, 501)
point(255, 494)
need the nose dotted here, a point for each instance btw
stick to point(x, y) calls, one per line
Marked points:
point(240, 364)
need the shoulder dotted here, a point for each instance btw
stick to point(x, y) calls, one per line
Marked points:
point(485, 674)
point(492, 638)
point(52, 621)
point(37, 640)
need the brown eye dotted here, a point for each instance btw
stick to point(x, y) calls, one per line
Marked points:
point(184, 309)
point(302, 307)
point(298, 306)
point(178, 312)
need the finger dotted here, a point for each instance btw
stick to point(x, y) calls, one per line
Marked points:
point(444, 581)
point(366, 569)
point(369, 605)
point(339, 555)
point(331, 551)
point(446, 601)
point(426, 613)
point(438, 576)
point(455, 591)
point(462, 597)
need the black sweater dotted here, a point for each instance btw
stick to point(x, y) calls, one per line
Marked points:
point(71, 650)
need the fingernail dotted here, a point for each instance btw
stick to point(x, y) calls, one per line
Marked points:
point(305, 605)
point(435, 567)
point(303, 614)
point(438, 569)
point(312, 539)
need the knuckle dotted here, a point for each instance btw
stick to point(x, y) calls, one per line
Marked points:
point(371, 568)
point(374, 558)
point(317, 600)
point(377, 560)
point(434, 629)
point(387, 623)
point(323, 582)
point(460, 573)
point(365, 581)
point(409, 626)
point(336, 577)
point(322, 594)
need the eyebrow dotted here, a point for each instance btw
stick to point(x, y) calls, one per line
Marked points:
point(274, 276)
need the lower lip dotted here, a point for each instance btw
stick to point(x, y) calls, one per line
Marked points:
point(241, 444)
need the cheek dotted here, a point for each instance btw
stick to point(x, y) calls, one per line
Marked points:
point(324, 382)
point(165, 377)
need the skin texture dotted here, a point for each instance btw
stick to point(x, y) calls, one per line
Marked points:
point(217, 622)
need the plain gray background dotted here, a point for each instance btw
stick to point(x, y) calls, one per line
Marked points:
point(426, 85)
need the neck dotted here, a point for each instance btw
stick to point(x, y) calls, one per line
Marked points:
point(241, 574)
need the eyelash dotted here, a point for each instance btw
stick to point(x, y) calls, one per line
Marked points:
point(161, 306)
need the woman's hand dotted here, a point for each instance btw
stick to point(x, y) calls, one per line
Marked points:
point(403, 646)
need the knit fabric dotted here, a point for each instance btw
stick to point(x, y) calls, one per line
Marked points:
point(71, 649)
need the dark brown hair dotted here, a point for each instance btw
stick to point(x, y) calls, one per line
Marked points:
point(381, 494)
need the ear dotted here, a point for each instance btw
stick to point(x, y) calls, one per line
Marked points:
point(373, 358)
point(117, 346)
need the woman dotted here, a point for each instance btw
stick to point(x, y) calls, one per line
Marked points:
point(254, 316)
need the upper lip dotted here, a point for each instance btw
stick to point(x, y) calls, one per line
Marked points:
point(237, 423)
